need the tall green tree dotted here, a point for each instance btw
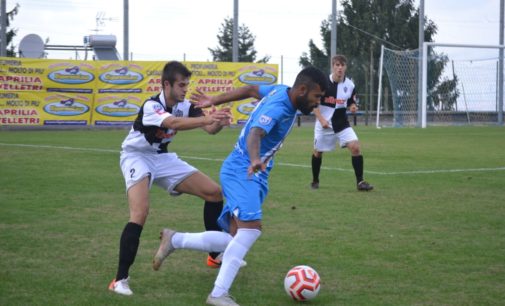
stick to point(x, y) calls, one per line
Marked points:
point(362, 26)
point(11, 33)
point(246, 51)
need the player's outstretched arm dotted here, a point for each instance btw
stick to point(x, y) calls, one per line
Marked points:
point(202, 100)
point(188, 123)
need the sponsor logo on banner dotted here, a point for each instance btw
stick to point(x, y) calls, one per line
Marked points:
point(119, 108)
point(71, 75)
point(66, 107)
point(257, 77)
point(121, 76)
point(247, 108)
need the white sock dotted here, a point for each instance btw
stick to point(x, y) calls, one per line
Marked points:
point(210, 241)
point(232, 257)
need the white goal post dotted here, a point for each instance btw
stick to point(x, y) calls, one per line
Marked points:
point(461, 84)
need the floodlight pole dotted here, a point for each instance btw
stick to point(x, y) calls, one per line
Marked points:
point(282, 69)
point(234, 51)
point(125, 29)
point(3, 26)
point(333, 45)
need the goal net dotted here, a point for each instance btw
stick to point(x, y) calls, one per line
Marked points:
point(461, 86)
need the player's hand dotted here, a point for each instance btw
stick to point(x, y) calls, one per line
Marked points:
point(226, 121)
point(200, 99)
point(353, 108)
point(222, 116)
point(255, 166)
point(325, 124)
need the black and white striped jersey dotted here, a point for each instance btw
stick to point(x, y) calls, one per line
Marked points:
point(147, 135)
point(334, 104)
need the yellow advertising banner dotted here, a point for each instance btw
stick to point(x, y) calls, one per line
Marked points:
point(46, 108)
point(121, 89)
point(46, 92)
point(214, 78)
point(67, 92)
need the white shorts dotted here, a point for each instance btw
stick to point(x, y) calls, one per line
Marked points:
point(325, 142)
point(166, 170)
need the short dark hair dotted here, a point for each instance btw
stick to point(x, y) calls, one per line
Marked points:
point(310, 76)
point(171, 70)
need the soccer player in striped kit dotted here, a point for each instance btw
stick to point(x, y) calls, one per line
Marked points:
point(332, 124)
point(145, 159)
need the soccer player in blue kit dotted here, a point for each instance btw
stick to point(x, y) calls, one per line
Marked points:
point(245, 172)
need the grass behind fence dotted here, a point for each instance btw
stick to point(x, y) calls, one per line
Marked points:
point(432, 233)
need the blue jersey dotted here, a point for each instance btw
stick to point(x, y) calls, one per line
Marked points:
point(276, 115)
point(245, 195)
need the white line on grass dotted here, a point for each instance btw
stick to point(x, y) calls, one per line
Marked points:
point(279, 163)
point(57, 147)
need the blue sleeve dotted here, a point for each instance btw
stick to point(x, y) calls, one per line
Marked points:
point(265, 122)
point(267, 117)
point(265, 90)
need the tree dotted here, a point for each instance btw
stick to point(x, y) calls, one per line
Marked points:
point(363, 26)
point(10, 34)
point(442, 91)
point(246, 51)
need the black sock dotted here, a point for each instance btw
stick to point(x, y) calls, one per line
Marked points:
point(211, 211)
point(128, 246)
point(357, 164)
point(316, 168)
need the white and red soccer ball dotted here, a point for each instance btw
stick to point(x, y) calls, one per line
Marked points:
point(302, 283)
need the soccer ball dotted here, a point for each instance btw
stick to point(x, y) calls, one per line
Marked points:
point(302, 283)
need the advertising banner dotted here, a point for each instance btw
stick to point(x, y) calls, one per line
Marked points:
point(45, 92)
point(214, 78)
point(66, 92)
point(121, 88)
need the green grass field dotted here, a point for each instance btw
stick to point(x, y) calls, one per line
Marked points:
point(431, 233)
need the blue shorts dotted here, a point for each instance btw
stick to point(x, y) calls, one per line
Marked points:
point(244, 195)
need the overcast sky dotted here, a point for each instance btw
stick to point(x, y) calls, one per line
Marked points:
point(178, 30)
